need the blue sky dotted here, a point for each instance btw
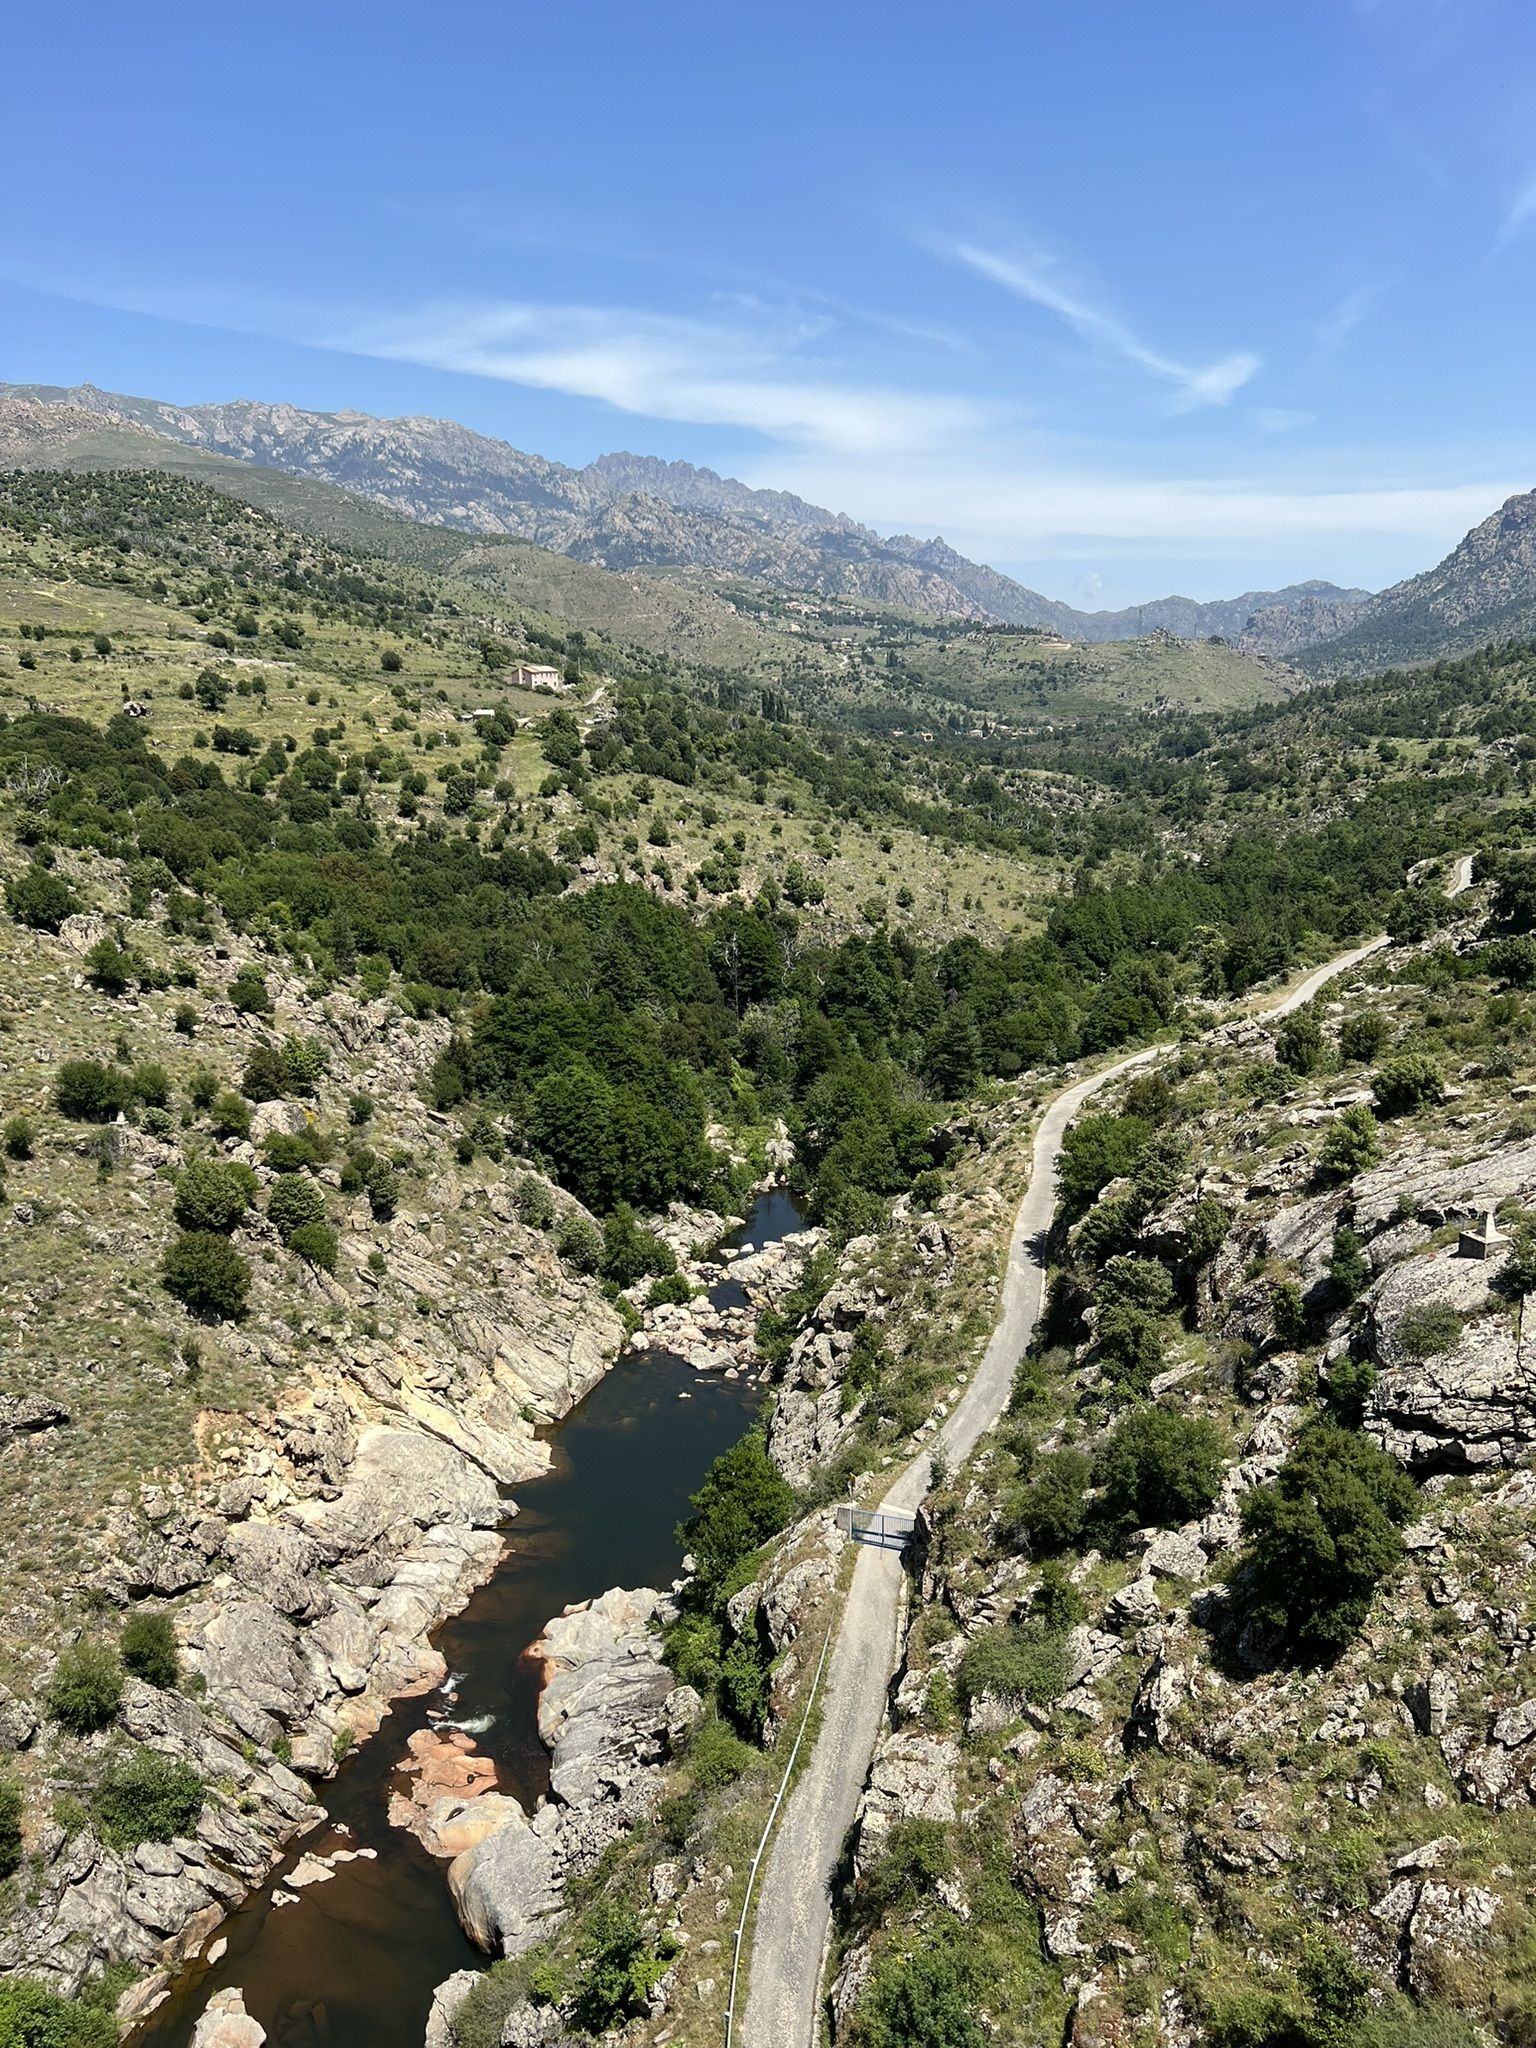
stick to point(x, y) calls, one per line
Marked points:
point(1124, 298)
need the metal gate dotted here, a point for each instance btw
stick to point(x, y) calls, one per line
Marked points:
point(877, 1528)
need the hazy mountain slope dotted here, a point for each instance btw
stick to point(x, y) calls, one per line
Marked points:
point(627, 512)
point(1484, 590)
point(839, 652)
point(650, 612)
point(440, 473)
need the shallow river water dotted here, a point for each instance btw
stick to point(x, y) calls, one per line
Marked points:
point(353, 1962)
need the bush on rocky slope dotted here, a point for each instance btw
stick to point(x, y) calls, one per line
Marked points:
point(1321, 1538)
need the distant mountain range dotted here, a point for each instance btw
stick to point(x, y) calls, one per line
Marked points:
point(1484, 590)
point(629, 512)
point(673, 521)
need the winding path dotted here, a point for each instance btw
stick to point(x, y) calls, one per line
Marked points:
point(794, 1905)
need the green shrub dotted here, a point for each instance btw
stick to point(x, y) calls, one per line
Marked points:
point(39, 899)
point(368, 1172)
point(1299, 1044)
point(1351, 1144)
point(915, 1858)
point(109, 968)
point(717, 1756)
point(1207, 1230)
point(1364, 1036)
point(744, 1500)
point(204, 1271)
point(151, 1084)
point(32, 2016)
point(629, 1252)
point(294, 1201)
point(1016, 1663)
point(1051, 1511)
point(148, 1649)
point(480, 2018)
point(19, 1137)
point(1056, 1605)
point(316, 1243)
point(535, 1203)
point(1095, 1151)
point(89, 1092)
point(1290, 1315)
point(1135, 1283)
point(1129, 1342)
point(671, 1290)
point(617, 1968)
point(1160, 1467)
point(1410, 1082)
point(1320, 1537)
point(147, 1797)
point(213, 1194)
point(303, 1062)
point(919, 1999)
point(579, 1242)
point(231, 1115)
point(1517, 1276)
point(248, 993)
point(265, 1078)
point(292, 1151)
point(1427, 1329)
point(86, 1688)
point(10, 1826)
point(1348, 1272)
point(1109, 1227)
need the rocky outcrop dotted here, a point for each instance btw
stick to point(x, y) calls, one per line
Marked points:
point(226, 2024)
point(816, 1408)
point(912, 1777)
point(1463, 1409)
point(29, 1415)
point(604, 1716)
point(92, 1905)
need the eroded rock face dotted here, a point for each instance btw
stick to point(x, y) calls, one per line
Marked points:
point(304, 1606)
point(91, 1905)
point(912, 1778)
point(813, 1414)
point(604, 1714)
point(1464, 1409)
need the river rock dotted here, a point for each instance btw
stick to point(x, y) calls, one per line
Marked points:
point(603, 1710)
point(604, 1715)
point(446, 2000)
point(226, 2024)
point(508, 1889)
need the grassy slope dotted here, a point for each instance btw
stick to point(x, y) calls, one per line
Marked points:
point(1028, 676)
point(157, 647)
point(835, 648)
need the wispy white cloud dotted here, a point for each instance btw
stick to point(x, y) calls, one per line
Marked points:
point(1037, 279)
point(1341, 320)
point(1007, 511)
point(1283, 419)
point(756, 371)
point(1522, 211)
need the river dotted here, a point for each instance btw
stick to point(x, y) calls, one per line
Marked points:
point(353, 1962)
